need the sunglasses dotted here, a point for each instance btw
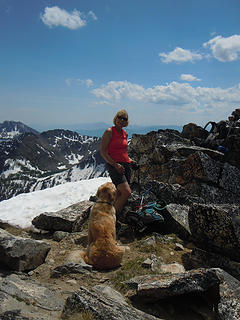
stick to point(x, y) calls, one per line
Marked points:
point(122, 118)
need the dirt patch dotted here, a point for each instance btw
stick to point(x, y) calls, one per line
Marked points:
point(131, 266)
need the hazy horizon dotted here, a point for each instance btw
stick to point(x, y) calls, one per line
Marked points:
point(97, 129)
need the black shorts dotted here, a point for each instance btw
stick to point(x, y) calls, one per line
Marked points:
point(118, 178)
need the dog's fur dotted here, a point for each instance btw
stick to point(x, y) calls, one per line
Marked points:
point(102, 251)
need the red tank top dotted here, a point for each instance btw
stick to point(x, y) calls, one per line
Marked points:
point(117, 148)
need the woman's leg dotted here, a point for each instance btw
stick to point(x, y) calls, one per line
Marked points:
point(123, 193)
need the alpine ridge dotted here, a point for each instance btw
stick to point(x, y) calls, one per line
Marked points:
point(32, 161)
point(11, 129)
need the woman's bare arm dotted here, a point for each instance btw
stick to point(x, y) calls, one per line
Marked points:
point(107, 136)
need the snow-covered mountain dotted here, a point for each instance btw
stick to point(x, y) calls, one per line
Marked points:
point(32, 161)
point(11, 129)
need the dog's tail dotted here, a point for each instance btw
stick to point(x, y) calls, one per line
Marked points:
point(84, 256)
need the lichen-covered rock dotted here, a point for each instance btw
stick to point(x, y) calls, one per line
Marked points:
point(216, 228)
point(229, 293)
point(230, 178)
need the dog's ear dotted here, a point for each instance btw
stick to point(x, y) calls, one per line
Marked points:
point(99, 191)
point(112, 193)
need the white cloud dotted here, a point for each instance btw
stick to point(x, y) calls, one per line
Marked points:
point(179, 55)
point(92, 15)
point(87, 82)
point(171, 93)
point(55, 16)
point(181, 95)
point(117, 89)
point(68, 82)
point(189, 77)
point(225, 49)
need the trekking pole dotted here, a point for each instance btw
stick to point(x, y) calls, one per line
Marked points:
point(143, 197)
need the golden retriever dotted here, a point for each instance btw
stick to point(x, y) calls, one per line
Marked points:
point(103, 251)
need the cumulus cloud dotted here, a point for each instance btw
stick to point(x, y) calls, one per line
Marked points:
point(225, 49)
point(189, 77)
point(86, 82)
point(179, 55)
point(117, 89)
point(55, 16)
point(172, 93)
point(92, 15)
point(89, 83)
point(182, 95)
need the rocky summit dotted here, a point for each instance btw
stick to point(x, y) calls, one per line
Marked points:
point(185, 265)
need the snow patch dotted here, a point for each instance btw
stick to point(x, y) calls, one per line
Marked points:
point(21, 210)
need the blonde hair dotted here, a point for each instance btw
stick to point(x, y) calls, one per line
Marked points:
point(121, 113)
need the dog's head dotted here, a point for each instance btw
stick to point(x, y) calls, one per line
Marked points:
point(107, 192)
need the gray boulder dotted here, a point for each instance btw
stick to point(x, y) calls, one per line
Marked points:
point(103, 303)
point(156, 287)
point(22, 298)
point(170, 193)
point(176, 220)
point(71, 268)
point(21, 254)
point(202, 259)
point(66, 219)
point(229, 292)
point(221, 289)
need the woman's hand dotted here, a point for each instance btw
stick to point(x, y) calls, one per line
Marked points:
point(120, 169)
point(134, 165)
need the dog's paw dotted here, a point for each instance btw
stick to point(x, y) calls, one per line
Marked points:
point(76, 256)
point(126, 249)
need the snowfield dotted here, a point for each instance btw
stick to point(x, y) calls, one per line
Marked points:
point(20, 210)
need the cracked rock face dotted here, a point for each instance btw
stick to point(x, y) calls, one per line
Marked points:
point(165, 156)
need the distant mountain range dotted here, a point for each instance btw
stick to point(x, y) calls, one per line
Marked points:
point(11, 129)
point(131, 129)
point(97, 129)
point(31, 161)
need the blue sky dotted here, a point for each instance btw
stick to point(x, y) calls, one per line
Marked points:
point(64, 62)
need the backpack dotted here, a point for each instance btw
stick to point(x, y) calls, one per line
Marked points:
point(146, 215)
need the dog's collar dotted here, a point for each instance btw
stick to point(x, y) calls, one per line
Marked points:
point(105, 202)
